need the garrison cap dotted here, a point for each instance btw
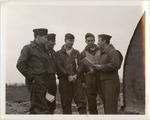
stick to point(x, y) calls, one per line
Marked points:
point(69, 36)
point(105, 36)
point(51, 36)
point(40, 31)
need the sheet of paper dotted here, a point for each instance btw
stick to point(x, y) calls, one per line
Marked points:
point(76, 61)
point(87, 62)
point(50, 97)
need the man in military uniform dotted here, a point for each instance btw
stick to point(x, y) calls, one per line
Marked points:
point(36, 65)
point(51, 84)
point(69, 86)
point(92, 53)
point(108, 83)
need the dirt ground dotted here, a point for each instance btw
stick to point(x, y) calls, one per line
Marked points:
point(17, 101)
point(22, 108)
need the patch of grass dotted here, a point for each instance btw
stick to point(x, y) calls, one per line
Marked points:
point(21, 94)
point(17, 93)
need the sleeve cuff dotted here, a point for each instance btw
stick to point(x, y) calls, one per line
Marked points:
point(30, 78)
point(67, 75)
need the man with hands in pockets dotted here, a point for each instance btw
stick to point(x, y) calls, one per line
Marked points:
point(36, 65)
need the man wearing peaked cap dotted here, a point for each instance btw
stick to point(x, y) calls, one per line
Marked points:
point(51, 41)
point(108, 84)
point(33, 63)
point(51, 84)
point(40, 31)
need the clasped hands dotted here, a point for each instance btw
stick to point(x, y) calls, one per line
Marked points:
point(72, 78)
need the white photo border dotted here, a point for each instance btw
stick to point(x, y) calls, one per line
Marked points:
point(5, 116)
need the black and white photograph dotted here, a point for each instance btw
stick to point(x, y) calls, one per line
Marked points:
point(74, 59)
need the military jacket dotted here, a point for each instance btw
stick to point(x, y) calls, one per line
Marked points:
point(66, 64)
point(110, 61)
point(93, 56)
point(36, 60)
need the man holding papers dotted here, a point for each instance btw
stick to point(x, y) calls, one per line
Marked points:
point(90, 56)
point(108, 83)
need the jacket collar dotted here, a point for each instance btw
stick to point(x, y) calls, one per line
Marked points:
point(92, 49)
point(35, 44)
point(64, 50)
point(110, 47)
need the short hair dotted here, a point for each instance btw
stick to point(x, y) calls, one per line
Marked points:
point(89, 35)
point(69, 36)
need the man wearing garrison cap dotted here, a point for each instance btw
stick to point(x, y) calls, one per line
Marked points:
point(35, 64)
point(70, 86)
point(108, 84)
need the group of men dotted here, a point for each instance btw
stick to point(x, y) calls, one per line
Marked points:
point(39, 64)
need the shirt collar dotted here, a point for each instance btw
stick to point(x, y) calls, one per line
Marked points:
point(64, 50)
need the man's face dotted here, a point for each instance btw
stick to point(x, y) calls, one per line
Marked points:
point(50, 44)
point(100, 42)
point(43, 39)
point(69, 42)
point(90, 40)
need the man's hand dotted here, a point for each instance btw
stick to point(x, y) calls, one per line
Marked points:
point(31, 79)
point(71, 79)
point(97, 67)
point(75, 77)
point(84, 85)
point(91, 71)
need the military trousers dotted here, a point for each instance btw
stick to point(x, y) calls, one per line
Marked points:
point(109, 91)
point(91, 92)
point(52, 89)
point(38, 89)
point(72, 91)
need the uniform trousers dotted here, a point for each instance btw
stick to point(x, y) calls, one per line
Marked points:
point(42, 84)
point(109, 92)
point(91, 92)
point(72, 91)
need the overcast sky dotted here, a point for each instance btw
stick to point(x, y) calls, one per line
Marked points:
point(117, 20)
